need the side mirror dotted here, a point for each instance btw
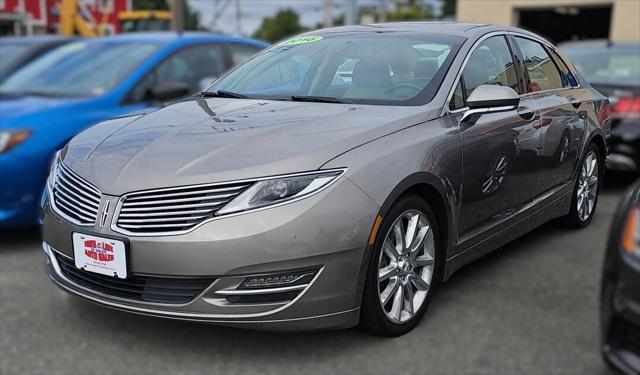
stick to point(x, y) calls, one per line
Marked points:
point(491, 98)
point(169, 90)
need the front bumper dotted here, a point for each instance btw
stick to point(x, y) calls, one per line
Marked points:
point(318, 233)
point(22, 183)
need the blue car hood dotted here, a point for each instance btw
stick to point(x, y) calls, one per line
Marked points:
point(17, 110)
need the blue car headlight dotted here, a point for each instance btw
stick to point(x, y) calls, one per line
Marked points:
point(11, 138)
point(280, 190)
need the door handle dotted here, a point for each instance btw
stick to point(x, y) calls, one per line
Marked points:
point(526, 113)
point(575, 102)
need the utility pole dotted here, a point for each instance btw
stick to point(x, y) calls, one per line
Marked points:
point(177, 16)
point(327, 13)
point(382, 11)
point(351, 12)
point(238, 18)
point(219, 7)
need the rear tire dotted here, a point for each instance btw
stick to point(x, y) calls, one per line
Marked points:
point(402, 274)
point(586, 191)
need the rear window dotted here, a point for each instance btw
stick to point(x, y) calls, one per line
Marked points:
point(615, 64)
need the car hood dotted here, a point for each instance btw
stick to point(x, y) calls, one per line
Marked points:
point(216, 140)
point(15, 108)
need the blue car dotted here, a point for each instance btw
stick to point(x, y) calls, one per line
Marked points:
point(81, 83)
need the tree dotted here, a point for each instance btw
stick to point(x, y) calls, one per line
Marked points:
point(191, 18)
point(449, 8)
point(283, 24)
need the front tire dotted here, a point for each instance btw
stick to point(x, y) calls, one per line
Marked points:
point(587, 189)
point(404, 263)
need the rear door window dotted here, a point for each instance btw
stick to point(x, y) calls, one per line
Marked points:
point(543, 73)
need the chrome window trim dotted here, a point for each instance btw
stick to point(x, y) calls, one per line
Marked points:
point(114, 220)
point(446, 111)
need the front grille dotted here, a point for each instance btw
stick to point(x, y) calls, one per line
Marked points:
point(138, 288)
point(174, 209)
point(74, 197)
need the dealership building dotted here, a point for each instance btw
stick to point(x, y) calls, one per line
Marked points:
point(560, 20)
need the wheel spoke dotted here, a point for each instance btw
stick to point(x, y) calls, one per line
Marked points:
point(424, 261)
point(419, 240)
point(412, 226)
point(419, 283)
point(398, 303)
point(387, 272)
point(389, 291)
point(397, 230)
point(390, 250)
point(408, 302)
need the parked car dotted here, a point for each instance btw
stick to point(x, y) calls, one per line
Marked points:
point(286, 197)
point(79, 84)
point(614, 70)
point(621, 288)
point(17, 52)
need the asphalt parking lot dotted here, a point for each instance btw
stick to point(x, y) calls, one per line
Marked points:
point(528, 308)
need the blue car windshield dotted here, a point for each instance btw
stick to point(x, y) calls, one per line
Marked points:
point(399, 68)
point(12, 52)
point(79, 69)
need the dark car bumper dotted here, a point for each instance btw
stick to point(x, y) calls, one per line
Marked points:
point(624, 153)
point(621, 319)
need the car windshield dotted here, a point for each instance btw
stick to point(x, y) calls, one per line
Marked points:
point(368, 68)
point(79, 69)
point(617, 64)
point(11, 52)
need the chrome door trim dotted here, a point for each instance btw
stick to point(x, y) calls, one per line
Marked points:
point(445, 109)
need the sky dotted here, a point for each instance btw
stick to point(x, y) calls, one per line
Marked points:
point(253, 11)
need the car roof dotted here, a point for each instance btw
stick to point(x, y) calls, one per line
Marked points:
point(596, 43)
point(173, 37)
point(462, 29)
point(34, 39)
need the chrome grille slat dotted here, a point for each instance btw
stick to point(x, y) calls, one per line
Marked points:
point(166, 208)
point(162, 214)
point(68, 207)
point(73, 198)
point(64, 197)
point(136, 198)
point(91, 205)
point(181, 200)
point(173, 210)
point(166, 219)
point(79, 180)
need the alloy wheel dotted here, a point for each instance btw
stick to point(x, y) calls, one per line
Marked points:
point(405, 266)
point(587, 190)
point(565, 147)
point(496, 175)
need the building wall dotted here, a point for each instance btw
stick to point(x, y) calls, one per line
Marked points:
point(625, 22)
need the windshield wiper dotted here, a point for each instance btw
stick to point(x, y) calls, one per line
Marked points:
point(222, 94)
point(319, 99)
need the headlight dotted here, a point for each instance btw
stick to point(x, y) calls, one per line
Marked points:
point(53, 169)
point(11, 138)
point(280, 190)
point(631, 235)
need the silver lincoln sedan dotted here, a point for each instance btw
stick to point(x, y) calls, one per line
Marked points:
point(335, 179)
